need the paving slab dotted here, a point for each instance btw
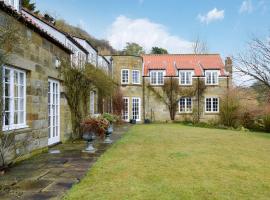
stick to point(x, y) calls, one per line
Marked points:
point(50, 175)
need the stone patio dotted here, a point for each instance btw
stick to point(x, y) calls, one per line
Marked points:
point(50, 175)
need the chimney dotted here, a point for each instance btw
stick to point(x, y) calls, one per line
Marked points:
point(228, 65)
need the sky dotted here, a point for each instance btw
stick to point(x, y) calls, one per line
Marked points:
point(225, 25)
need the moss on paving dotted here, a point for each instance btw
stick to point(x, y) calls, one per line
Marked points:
point(173, 161)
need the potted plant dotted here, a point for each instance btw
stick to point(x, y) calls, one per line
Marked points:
point(93, 127)
point(111, 119)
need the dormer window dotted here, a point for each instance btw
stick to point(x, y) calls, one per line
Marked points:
point(185, 77)
point(13, 3)
point(157, 77)
point(211, 77)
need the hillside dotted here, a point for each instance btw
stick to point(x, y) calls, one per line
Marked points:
point(102, 45)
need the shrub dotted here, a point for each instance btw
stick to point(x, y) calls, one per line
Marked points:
point(96, 125)
point(266, 123)
point(229, 109)
point(110, 117)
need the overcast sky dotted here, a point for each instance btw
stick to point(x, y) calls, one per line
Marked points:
point(226, 25)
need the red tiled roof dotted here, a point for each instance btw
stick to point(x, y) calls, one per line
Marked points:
point(174, 62)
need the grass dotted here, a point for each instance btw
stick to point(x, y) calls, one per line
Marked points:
point(179, 162)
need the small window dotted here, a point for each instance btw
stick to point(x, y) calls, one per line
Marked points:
point(212, 104)
point(136, 77)
point(185, 105)
point(14, 96)
point(185, 77)
point(211, 77)
point(125, 76)
point(157, 77)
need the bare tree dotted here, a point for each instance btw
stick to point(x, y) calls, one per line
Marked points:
point(255, 62)
point(199, 46)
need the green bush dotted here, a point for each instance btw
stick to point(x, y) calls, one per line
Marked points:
point(266, 123)
point(229, 109)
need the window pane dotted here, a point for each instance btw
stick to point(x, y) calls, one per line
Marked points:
point(7, 75)
point(208, 104)
point(16, 118)
point(214, 77)
point(189, 104)
point(208, 77)
point(16, 77)
point(21, 104)
point(160, 78)
point(22, 78)
point(182, 105)
point(16, 104)
point(215, 104)
point(7, 90)
point(21, 88)
point(21, 117)
point(7, 104)
point(182, 78)
point(7, 118)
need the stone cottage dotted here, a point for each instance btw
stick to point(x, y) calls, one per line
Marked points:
point(136, 74)
point(34, 108)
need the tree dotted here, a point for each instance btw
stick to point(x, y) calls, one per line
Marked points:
point(199, 46)
point(133, 49)
point(255, 62)
point(158, 50)
point(30, 6)
point(77, 92)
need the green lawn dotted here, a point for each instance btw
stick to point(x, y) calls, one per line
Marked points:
point(160, 162)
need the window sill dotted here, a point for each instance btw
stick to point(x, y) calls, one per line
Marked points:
point(211, 113)
point(15, 128)
point(184, 113)
point(211, 84)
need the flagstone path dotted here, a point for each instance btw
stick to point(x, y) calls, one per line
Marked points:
point(50, 175)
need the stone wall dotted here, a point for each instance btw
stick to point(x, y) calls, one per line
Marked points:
point(37, 58)
point(157, 111)
point(129, 90)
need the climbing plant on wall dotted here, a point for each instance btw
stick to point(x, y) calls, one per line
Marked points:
point(78, 82)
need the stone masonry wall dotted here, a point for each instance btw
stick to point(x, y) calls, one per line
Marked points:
point(157, 111)
point(129, 90)
point(37, 59)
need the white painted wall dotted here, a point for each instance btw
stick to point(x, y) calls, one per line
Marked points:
point(77, 52)
point(92, 53)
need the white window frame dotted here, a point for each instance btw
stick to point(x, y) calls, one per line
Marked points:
point(127, 112)
point(11, 125)
point(124, 82)
point(139, 108)
point(185, 105)
point(133, 75)
point(156, 77)
point(185, 77)
point(212, 72)
point(92, 102)
point(212, 105)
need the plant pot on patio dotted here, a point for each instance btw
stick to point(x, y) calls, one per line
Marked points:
point(133, 121)
point(108, 134)
point(89, 137)
point(93, 127)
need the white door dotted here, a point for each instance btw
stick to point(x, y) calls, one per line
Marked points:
point(136, 109)
point(53, 112)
